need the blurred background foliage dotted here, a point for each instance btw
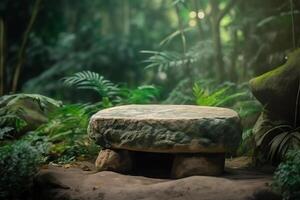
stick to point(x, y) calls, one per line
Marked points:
point(185, 39)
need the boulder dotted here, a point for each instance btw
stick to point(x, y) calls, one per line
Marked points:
point(277, 89)
point(32, 108)
point(118, 161)
point(167, 128)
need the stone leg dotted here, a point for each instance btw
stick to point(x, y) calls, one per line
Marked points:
point(209, 164)
point(114, 160)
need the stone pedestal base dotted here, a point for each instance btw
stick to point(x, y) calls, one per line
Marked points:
point(114, 160)
point(198, 164)
point(183, 165)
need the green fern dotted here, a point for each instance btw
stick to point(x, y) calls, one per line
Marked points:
point(92, 81)
point(66, 132)
point(164, 60)
point(140, 95)
point(111, 93)
point(220, 97)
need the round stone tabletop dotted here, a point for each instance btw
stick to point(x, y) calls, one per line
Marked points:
point(167, 128)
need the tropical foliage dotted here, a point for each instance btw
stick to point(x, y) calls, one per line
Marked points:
point(110, 92)
point(66, 134)
point(287, 176)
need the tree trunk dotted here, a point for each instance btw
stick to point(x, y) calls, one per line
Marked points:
point(126, 17)
point(23, 46)
point(216, 37)
point(232, 70)
point(2, 82)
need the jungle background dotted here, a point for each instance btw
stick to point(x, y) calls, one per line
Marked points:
point(90, 55)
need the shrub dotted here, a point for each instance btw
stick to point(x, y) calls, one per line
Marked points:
point(287, 176)
point(19, 162)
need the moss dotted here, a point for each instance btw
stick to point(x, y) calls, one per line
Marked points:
point(293, 59)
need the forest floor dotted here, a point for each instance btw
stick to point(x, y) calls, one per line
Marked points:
point(80, 181)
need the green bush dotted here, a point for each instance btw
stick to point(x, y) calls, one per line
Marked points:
point(287, 176)
point(19, 163)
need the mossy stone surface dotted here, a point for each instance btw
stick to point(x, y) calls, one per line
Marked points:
point(167, 128)
point(277, 89)
point(34, 112)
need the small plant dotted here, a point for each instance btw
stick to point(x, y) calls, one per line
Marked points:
point(287, 176)
point(223, 96)
point(66, 133)
point(226, 95)
point(19, 163)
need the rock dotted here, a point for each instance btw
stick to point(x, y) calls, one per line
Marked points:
point(34, 108)
point(277, 89)
point(73, 183)
point(118, 161)
point(190, 165)
point(167, 128)
point(170, 129)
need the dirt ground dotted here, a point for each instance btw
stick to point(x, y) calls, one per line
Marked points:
point(80, 181)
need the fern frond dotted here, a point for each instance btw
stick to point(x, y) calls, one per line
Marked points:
point(92, 81)
point(165, 60)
